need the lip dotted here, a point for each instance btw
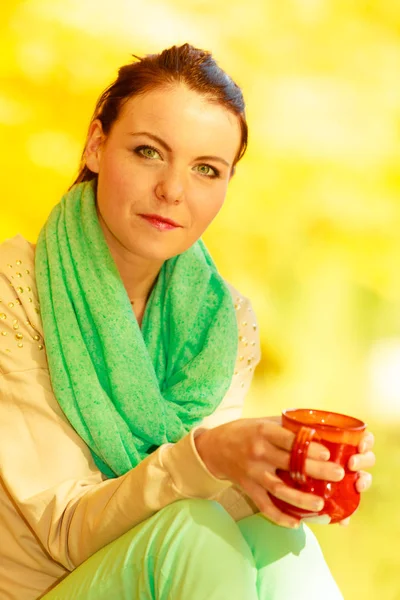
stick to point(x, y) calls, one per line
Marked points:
point(160, 219)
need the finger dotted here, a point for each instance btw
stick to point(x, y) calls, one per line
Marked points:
point(268, 458)
point(282, 438)
point(318, 451)
point(292, 496)
point(360, 462)
point(266, 507)
point(367, 442)
point(363, 482)
point(273, 433)
point(274, 455)
point(327, 471)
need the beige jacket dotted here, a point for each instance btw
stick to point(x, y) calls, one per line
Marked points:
point(56, 507)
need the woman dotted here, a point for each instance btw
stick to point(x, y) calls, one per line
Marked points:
point(125, 359)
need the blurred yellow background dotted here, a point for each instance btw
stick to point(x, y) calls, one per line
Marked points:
point(310, 228)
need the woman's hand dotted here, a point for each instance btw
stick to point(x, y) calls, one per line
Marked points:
point(248, 452)
point(358, 462)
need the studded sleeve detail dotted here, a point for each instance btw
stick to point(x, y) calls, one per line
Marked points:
point(21, 334)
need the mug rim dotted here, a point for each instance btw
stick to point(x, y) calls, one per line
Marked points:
point(359, 425)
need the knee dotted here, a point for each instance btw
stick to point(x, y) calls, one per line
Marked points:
point(270, 542)
point(202, 531)
point(200, 523)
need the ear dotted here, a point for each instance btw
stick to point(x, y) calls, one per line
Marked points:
point(94, 146)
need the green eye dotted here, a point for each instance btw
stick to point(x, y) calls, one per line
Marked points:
point(207, 171)
point(147, 152)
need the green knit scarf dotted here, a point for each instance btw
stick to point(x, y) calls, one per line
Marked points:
point(125, 390)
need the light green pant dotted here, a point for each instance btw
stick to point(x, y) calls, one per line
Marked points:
point(193, 550)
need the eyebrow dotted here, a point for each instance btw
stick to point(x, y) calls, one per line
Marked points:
point(168, 149)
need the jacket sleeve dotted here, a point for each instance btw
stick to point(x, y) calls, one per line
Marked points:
point(49, 472)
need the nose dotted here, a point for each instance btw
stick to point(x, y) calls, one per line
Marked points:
point(171, 186)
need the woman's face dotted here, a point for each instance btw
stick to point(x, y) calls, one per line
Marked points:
point(170, 153)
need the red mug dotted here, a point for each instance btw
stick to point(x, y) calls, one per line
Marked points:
point(341, 434)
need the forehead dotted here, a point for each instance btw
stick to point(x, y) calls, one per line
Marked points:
point(184, 119)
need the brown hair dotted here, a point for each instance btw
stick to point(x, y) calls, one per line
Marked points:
point(194, 67)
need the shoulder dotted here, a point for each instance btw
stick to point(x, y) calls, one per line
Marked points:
point(249, 348)
point(17, 260)
point(14, 248)
point(21, 332)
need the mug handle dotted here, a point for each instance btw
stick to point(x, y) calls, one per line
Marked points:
point(298, 454)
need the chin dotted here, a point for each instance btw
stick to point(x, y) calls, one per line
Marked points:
point(160, 250)
point(156, 254)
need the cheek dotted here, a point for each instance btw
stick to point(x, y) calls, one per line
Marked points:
point(122, 184)
point(206, 207)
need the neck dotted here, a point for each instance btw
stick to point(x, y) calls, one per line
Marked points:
point(137, 278)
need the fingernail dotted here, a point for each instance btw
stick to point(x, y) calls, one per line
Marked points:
point(338, 472)
point(365, 443)
point(318, 505)
point(361, 485)
point(353, 463)
point(324, 455)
